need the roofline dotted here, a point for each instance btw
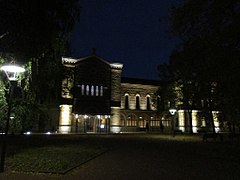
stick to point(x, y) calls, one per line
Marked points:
point(142, 81)
point(73, 61)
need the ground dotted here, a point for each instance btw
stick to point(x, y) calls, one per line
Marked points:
point(151, 156)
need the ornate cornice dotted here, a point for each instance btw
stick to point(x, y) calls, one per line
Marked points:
point(68, 60)
point(116, 66)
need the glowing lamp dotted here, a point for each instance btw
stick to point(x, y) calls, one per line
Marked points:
point(172, 111)
point(11, 71)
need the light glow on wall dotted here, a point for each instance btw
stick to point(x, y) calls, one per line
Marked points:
point(194, 129)
point(64, 129)
point(65, 115)
point(115, 129)
point(65, 119)
point(215, 118)
point(194, 121)
point(181, 117)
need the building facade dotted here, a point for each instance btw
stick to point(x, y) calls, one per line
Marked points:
point(97, 99)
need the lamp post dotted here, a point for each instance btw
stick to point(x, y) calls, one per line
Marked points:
point(11, 73)
point(172, 111)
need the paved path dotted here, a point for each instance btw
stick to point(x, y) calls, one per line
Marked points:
point(139, 157)
point(142, 159)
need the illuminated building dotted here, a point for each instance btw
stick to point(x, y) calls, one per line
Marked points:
point(97, 99)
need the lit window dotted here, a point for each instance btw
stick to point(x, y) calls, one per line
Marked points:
point(141, 122)
point(131, 120)
point(92, 91)
point(82, 90)
point(101, 90)
point(169, 104)
point(97, 91)
point(202, 103)
point(87, 89)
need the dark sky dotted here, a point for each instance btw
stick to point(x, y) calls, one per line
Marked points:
point(131, 32)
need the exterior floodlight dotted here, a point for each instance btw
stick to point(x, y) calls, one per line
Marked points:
point(28, 133)
point(11, 71)
point(172, 111)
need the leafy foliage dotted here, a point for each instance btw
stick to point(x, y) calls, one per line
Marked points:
point(32, 28)
point(207, 59)
point(36, 34)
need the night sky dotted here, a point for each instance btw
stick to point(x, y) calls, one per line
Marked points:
point(131, 32)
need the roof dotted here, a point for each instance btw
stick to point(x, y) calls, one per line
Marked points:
point(73, 61)
point(141, 81)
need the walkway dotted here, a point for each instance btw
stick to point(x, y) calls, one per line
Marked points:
point(148, 157)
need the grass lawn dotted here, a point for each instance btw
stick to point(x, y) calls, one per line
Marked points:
point(61, 153)
point(57, 155)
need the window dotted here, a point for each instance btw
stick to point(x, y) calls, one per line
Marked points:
point(137, 101)
point(82, 90)
point(141, 122)
point(101, 90)
point(92, 90)
point(97, 91)
point(131, 120)
point(87, 90)
point(126, 101)
point(148, 103)
point(159, 103)
point(168, 104)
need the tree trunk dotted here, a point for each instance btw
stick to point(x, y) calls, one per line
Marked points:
point(189, 111)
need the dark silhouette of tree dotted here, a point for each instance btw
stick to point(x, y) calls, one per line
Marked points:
point(33, 28)
point(36, 33)
point(210, 51)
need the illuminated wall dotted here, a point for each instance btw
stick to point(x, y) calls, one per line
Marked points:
point(65, 119)
point(143, 92)
point(181, 120)
point(197, 122)
point(215, 120)
point(194, 121)
point(115, 120)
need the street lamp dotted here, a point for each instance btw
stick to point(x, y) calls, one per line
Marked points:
point(172, 111)
point(11, 72)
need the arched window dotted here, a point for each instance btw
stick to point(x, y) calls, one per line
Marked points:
point(87, 90)
point(131, 120)
point(148, 103)
point(137, 101)
point(92, 90)
point(101, 90)
point(97, 91)
point(141, 122)
point(159, 102)
point(82, 90)
point(126, 101)
point(168, 104)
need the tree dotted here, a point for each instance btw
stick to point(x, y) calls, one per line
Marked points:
point(36, 33)
point(3, 103)
point(33, 28)
point(210, 49)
